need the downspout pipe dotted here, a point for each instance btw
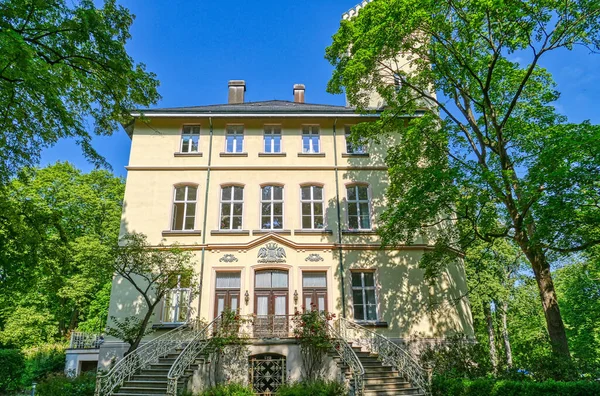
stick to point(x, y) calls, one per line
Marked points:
point(206, 188)
point(339, 220)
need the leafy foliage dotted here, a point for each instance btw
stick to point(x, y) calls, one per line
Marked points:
point(494, 160)
point(12, 365)
point(127, 328)
point(492, 387)
point(317, 388)
point(41, 361)
point(65, 64)
point(59, 384)
point(231, 389)
point(312, 333)
point(57, 226)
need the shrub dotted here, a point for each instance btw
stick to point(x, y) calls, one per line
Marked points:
point(41, 361)
point(232, 389)
point(459, 357)
point(313, 388)
point(311, 329)
point(492, 387)
point(59, 384)
point(12, 365)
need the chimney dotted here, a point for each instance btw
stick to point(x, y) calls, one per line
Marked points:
point(236, 91)
point(299, 93)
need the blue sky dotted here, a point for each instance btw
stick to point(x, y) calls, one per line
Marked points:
point(195, 47)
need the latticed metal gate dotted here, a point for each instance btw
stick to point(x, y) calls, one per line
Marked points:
point(267, 373)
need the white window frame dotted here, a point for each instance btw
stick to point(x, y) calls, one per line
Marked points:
point(176, 303)
point(190, 137)
point(272, 201)
point(234, 130)
point(350, 147)
point(357, 202)
point(272, 130)
point(231, 202)
point(363, 288)
point(185, 202)
point(311, 201)
point(311, 131)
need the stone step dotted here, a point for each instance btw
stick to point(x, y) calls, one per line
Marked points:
point(390, 393)
point(161, 383)
point(130, 390)
point(408, 390)
point(395, 380)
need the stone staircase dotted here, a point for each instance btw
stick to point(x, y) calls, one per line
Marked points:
point(379, 379)
point(153, 380)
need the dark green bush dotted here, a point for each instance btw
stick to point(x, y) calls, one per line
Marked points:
point(492, 387)
point(12, 365)
point(59, 384)
point(41, 361)
point(229, 390)
point(314, 388)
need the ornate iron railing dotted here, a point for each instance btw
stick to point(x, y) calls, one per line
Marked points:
point(199, 344)
point(81, 340)
point(348, 356)
point(267, 326)
point(141, 358)
point(388, 351)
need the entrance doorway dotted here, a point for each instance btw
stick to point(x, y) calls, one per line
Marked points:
point(271, 304)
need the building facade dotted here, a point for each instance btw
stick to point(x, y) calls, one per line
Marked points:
point(280, 210)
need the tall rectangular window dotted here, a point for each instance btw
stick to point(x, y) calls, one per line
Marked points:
point(176, 305)
point(190, 136)
point(227, 292)
point(353, 148)
point(358, 208)
point(310, 139)
point(272, 139)
point(311, 199)
point(314, 290)
point(271, 202)
point(232, 206)
point(184, 208)
point(363, 295)
point(234, 139)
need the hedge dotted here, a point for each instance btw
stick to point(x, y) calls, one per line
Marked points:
point(12, 365)
point(492, 387)
point(59, 384)
point(313, 388)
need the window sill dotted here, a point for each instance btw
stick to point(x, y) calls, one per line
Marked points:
point(359, 232)
point(352, 155)
point(371, 323)
point(313, 232)
point(166, 326)
point(187, 154)
point(233, 154)
point(181, 233)
point(322, 155)
point(230, 232)
point(263, 232)
point(272, 154)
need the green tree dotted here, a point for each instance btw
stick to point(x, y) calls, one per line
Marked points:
point(153, 271)
point(64, 64)
point(57, 227)
point(492, 154)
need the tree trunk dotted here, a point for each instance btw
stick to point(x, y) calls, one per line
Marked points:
point(543, 277)
point(507, 348)
point(141, 330)
point(490, 329)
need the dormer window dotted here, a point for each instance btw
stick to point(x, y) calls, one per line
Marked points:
point(190, 138)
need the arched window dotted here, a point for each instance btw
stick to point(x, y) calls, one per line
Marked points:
point(232, 207)
point(311, 199)
point(271, 202)
point(359, 207)
point(184, 208)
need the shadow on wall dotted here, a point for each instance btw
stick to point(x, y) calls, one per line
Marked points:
point(411, 306)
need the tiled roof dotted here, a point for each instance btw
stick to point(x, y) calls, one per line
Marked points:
point(268, 106)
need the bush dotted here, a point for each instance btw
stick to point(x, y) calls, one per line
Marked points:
point(59, 384)
point(314, 388)
point(41, 361)
point(492, 387)
point(12, 365)
point(228, 390)
point(459, 357)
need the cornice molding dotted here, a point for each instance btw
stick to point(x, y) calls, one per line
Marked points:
point(250, 168)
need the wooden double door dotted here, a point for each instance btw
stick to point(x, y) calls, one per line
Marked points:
point(272, 316)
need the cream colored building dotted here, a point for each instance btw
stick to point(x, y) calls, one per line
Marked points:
point(280, 211)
